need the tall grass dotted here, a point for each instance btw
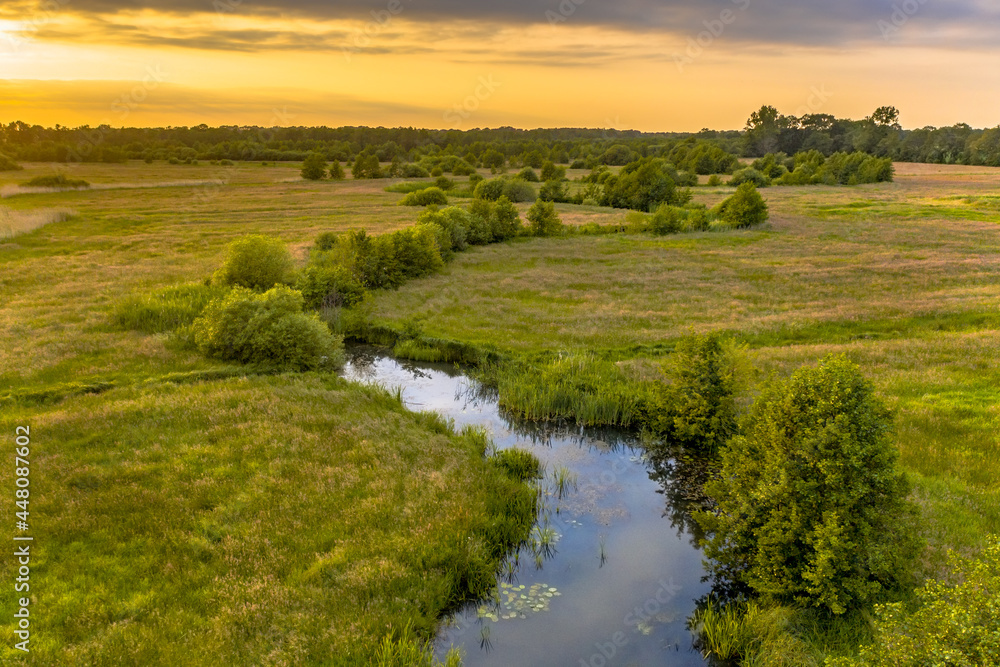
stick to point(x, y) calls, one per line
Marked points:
point(166, 309)
point(577, 386)
point(14, 223)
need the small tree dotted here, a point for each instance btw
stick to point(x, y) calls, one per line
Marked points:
point(336, 171)
point(745, 208)
point(255, 261)
point(696, 407)
point(314, 167)
point(543, 219)
point(811, 503)
point(268, 328)
point(505, 220)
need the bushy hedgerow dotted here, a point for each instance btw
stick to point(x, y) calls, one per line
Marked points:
point(811, 167)
point(255, 261)
point(745, 208)
point(811, 503)
point(426, 197)
point(268, 329)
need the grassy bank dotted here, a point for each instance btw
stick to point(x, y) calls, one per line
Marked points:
point(190, 511)
point(290, 520)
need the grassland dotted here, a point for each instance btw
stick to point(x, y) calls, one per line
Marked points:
point(903, 277)
point(190, 512)
point(151, 456)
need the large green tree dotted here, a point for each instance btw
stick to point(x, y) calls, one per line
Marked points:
point(811, 504)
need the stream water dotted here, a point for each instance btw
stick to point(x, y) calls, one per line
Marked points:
point(620, 575)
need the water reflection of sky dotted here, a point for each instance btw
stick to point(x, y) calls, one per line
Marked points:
point(629, 608)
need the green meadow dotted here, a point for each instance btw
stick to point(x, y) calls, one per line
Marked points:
point(188, 511)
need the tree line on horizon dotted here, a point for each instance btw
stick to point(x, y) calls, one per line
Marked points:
point(766, 131)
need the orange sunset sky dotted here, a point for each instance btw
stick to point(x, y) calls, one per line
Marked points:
point(674, 65)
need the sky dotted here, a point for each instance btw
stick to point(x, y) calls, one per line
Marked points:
point(651, 65)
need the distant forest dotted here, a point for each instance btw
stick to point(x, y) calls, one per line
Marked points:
point(766, 131)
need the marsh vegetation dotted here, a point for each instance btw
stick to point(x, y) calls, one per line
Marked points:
point(109, 350)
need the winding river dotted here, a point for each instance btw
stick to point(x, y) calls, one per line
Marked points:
point(612, 574)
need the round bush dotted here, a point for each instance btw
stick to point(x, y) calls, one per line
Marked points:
point(749, 175)
point(811, 502)
point(255, 261)
point(517, 190)
point(431, 196)
point(268, 329)
point(543, 219)
point(744, 209)
point(528, 174)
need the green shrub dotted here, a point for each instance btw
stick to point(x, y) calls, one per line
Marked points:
point(696, 406)
point(414, 171)
point(749, 175)
point(641, 185)
point(336, 171)
point(226, 163)
point(772, 165)
point(553, 191)
point(745, 208)
point(714, 181)
point(56, 181)
point(326, 241)
point(475, 179)
point(515, 190)
point(527, 174)
point(417, 251)
point(811, 504)
point(518, 191)
point(543, 219)
point(552, 172)
point(453, 220)
point(505, 221)
point(268, 329)
point(431, 196)
point(164, 310)
point(7, 164)
point(666, 220)
point(314, 167)
point(444, 183)
point(957, 622)
point(255, 261)
point(329, 285)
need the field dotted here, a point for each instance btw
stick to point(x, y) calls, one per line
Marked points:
point(903, 277)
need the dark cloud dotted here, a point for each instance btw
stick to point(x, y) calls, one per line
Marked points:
point(793, 22)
